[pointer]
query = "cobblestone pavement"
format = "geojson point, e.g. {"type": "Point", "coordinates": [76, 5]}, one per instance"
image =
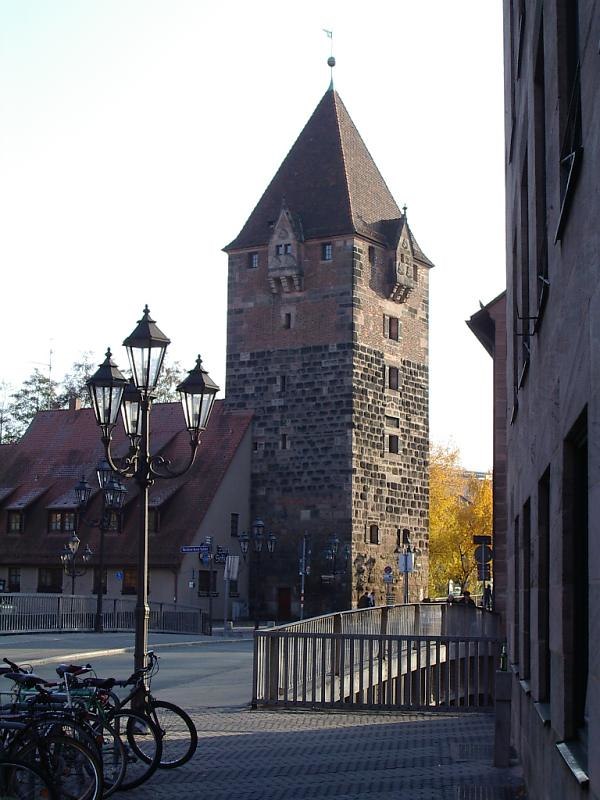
{"type": "Point", "coordinates": [297, 755]}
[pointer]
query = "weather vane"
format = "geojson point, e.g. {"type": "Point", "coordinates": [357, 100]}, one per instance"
{"type": "Point", "coordinates": [331, 59]}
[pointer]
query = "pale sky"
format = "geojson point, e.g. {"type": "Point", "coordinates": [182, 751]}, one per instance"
{"type": "Point", "coordinates": [136, 136]}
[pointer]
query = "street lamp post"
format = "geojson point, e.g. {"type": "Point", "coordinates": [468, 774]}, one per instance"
{"type": "Point", "coordinates": [257, 538]}
{"type": "Point", "coordinates": [110, 393]}
{"type": "Point", "coordinates": [68, 558]}
{"type": "Point", "coordinates": [407, 560]}
{"type": "Point", "coordinates": [304, 568]}
{"type": "Point", "coordinates": [113, 497]}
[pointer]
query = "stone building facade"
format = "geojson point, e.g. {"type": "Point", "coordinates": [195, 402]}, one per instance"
{"type": "Point", "coordinates": [552, 96]}
{"type": "Point", "coordinates": [489, 326]}
{"type": "Point", "coordinates": [328, 346]}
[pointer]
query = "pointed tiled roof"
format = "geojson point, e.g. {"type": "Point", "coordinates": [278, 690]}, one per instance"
{"type": "Point", "coordinates": [328, 180]}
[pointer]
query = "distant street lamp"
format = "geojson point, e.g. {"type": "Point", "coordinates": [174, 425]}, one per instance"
{"type": "Point", "coordinates": [257, 538]}
{"type": "Point", "coordinates": [68, 558]}
{"type": "Point", "coordinates": [110, 393]}
{"type": "Point", "coordinates": [113, 497]}
{"type": "Point", "coordinates": [407, 560]}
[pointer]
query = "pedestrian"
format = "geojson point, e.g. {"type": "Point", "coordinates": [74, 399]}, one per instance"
{"type": "Point", "coordinates": [487, 598]}
{"type": "Point", "coordinates": [466, 599]}
{"type": "Point", "coordinates": [372, 599]}
{"type": "Point", "coordinates": [363, 601]}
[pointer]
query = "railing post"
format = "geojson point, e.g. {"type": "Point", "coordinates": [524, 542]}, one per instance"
{"type": "Point", "coordinates": [273, 678]}
{"type": "Point", "coordinates": [337, 643]}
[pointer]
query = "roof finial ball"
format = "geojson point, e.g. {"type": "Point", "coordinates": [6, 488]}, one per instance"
{"type": "Point", "coordinates": [331, 62]}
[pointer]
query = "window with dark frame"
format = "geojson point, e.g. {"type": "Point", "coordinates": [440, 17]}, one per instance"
{"type": "Point", "coordinates": [392, 422]}
{"type": "Point", "coordinates": [517, 593]}
{"type": "Point", "coordinates": [539, 163]}
{"type": "Point", "coordinates": [14, 579]}
{"type": "Point", "coordinates": [571, 149]}
{"type": "Point", "coordinates": [115, 521]}
{"type": "Point", "coordinates": [50, 580]}
{"type": "Point", "coordinates": [525, 594]}
{"type": "Point", "coordinates": [543, 606]}
{"type": "Point", "coordinates": [287, 249]}
{"type": "Point", "coordinates": [576, 586]}
{"type": "Point", "coordinates": [326, 251]}
{"type": "Point", "coordinates": [61, 521]}
{"type": "Point", "coordinates": [371, 255]}
{"type": "Point", "coordinates": [234, 590]}
{"type": "Point", "coordinates": [234, 523]}
{"type": "Point", "coordinates": [282, 383]}
{"type": "Point", "coordinates": [15, 522]}
{"type": "Point", "coordinates": [129, 583]}
{"type": "Point", "coordinates": [393, 443]}
{"type": "Point", "coordinates": [393, 378]}
{"type": "Point", "coordinates": [252, 260]}
{"type": "Point", "coordinates": [207, 582]}
{"type": "Point", "coordinates": [284, 442]}
{"type": "Point", "coordinates": [394, 328]}
{"type": "Point", "coordinates": [373, 534]}
{"type": "Point", "coordinates": [287, 320]}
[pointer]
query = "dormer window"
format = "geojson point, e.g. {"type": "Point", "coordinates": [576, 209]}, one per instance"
{"type": "Point", "coordinates": [326, 251]}
{"type": "Point", "coordinates": [287, 249]}
{"type": "Point", "coordinates": [61, 521]}
{"type": "Point", "coordinates": [15, 522]}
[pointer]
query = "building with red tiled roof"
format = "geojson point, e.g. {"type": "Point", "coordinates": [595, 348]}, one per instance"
{"type": "Point", "coordinates": [38, 510]}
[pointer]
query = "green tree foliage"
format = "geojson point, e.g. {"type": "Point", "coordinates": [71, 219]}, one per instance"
{"type": "Point", "coordinates": [73, 383]}
{"type": "Point", "coordinates": [460, 507]}
{"type": "Point", "coordinates": [38, 393]}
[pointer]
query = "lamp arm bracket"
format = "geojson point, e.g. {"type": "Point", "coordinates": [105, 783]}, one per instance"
{"type": "Point", "coordinates": [160, 467]}
{"type": "Point", "coordinates": [128, 462]}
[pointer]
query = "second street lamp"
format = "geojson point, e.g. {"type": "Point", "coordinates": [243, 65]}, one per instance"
{"type": "Point", "coordinates": [110, 391]}
{"type": "Point", "coordinates": [257, 538]}
{"type": "Point", "coordinates": [68, 558]}
{"type": "Point", "coordinates": [113, 497]}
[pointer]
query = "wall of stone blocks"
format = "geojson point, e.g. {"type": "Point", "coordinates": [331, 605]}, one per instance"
{"type": "Point", "coordinates": [317, 389]}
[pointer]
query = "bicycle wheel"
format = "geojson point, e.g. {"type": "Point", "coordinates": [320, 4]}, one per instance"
{"type": "Point", "coordinates": [113, 756]}
{"type": "Point", "coordinates": [143, 747]}
{"type": "Point", "coordinates": [23, 781]}
{"type": "Point", "coordinates": [178, 733]}
{"type": "Point", "coordinates": [75, 771]}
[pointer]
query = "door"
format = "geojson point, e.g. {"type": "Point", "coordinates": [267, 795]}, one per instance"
{"type": "Point", "coordinates": [284, 603]}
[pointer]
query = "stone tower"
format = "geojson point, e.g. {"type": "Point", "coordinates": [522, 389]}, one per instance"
{"type": "Point", "coordinates": [327, 343]}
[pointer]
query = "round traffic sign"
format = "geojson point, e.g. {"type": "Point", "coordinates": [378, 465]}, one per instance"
{"type": "Point", "coordinates": [387, 569]}
{"type": "Point", "coordinates": [483, 554]}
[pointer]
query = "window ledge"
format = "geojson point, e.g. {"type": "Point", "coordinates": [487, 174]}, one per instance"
{"type": "Point", "coordinates": [526, 686]}
{"type": "Point", "coordinates": [514, 668]}
{"type": "Point", "coordinates": [568, 751]}
{"type": "Point", "coordinates": [543, 710]}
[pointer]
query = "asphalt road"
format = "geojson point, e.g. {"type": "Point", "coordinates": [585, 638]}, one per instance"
{"type": "Point", "coordinates": [215, 675]}
{"type": "Point", "coordinates": [196, 674]}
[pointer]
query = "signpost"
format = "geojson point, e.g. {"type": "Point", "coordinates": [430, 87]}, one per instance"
{"type": "Point", "coordinates": [232, 567]}
{"type": "Point", "coordinates": [483, 557]}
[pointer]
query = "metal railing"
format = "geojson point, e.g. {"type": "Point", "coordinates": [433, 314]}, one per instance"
{"type": "Point", "coordinates": [427, 656]}
{"type": "Point", "coordinates": [35, 613]}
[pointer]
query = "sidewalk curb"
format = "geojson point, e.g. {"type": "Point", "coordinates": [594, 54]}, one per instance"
{"type": "Point", "coordinates": [117, 651]}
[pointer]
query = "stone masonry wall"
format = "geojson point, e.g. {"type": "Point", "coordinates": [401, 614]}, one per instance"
{"type": "Point", "coordinates": [317, 389]}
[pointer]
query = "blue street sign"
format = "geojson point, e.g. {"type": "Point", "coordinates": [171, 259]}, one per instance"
{"type": "Point", "coordinates": [119, 575]}
{"type": "Point", "coordinates": [192, 548]}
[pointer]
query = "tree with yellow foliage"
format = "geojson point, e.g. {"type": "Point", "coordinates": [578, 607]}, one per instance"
{"type": "Point", "coordinates": [460, 507]}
